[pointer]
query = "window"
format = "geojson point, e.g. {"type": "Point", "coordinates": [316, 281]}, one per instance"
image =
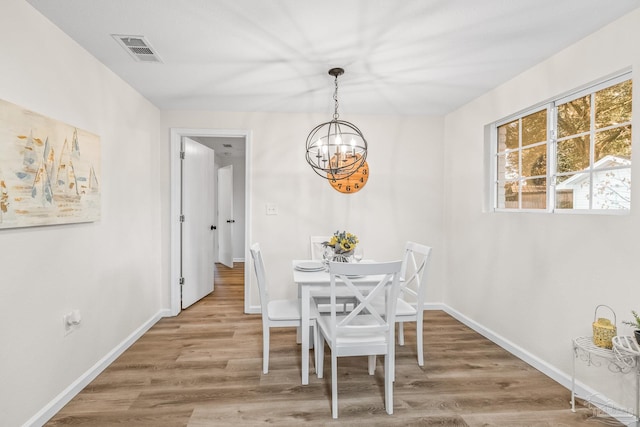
{"type": "Point", "coordinates": [522, 162]}
{"type": "Point", "coordinates": [572, 154]}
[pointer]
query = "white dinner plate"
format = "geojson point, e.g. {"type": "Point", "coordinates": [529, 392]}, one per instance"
{"type": "Point", "coordinates": [355, 276]}
{"type": "Point", "coordinates": [309, 270]}
{"type": "Point", "coordinates": [310, 266]}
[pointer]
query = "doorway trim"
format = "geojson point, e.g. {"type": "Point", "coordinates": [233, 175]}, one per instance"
{"type": "Point", "coordinates": [175, 140]}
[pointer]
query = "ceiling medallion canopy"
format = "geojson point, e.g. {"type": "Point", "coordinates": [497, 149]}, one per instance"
{"type": "Point", "coordinates": [336, 149]}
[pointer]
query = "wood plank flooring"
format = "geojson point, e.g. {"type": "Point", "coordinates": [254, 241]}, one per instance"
{"type": "Point", "coordinates": [204, 368]}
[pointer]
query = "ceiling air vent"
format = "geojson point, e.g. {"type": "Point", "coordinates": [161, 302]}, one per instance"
{"type": "Point", "coordinates": [138, 47]}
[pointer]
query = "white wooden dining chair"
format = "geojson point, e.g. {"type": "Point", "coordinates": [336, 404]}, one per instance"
{"type": "Point", "coordinates": [275, 314]}
{"type": "Point", "coordinates": [316, 247]}
{"type": "Point", "coordinates": [413, 291]}
{"type": "Point", "coordinates": [364, 331]}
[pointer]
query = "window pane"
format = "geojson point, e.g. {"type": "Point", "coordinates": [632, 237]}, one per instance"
{"type": "Point", "coordinates": [508, 165]}
{"type": "Point", "coordinates": [508, 136]}
{"type": "Point", "coordinates": [534, 194]}
{"type": "Point", "coordinates": [572, 192]}
{"type": "Point", "coordinates": [574, 117]}
{"type": "Point", "coordinates": [534, 128]}
{"type": "Point", "coordinates": [508, 195]}
{"type": "Point", "coordinates": [573, 154]}
{"type": "Point", "coordinates": [564, 199]}
{"type": "Point", "coordinates": [613, 105]}
{"type": "Point", "coordinates": [534, 161]}
{"type": "Point", "coordinates": [612, 189]}
{"type": "Point", "coordinates": [615, 142]}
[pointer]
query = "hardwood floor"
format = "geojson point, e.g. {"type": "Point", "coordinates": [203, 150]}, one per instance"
{"type": "Point", "coordinates": [203, 368]}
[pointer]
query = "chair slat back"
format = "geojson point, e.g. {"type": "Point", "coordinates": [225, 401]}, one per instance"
{"type": "Point", "coordinates": [261, 276]}
{"type": "Point", "coordinates": [316, 247]}
{"type": "Point", "coordinates": [415, 260]}
{"type": "Point", "coordinates": [386, 286]}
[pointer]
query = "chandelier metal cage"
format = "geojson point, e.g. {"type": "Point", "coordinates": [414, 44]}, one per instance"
{"type": "Point", "coordinates": [336, 149]}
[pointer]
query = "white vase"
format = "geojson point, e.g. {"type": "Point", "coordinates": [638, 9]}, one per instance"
{"type": "Point", "coordinates": [345, 257]}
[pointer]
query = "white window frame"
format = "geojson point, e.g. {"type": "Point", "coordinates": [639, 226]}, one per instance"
{"type": "Point", "coordinates": [520, 178]}
{"type": "Point", "coordinates": [551, 142]}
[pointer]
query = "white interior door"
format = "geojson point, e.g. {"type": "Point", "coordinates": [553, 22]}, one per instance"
{"type": "Point", "coordinates": [225, 215]}
{"type": "Point", "coordinates": [198, 209]}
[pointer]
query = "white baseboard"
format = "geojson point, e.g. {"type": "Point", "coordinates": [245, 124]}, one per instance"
{"type": "Point", "coordinates": [581, 390]}
{"type": "Point", "coordinates": [52, 408]}
{"type": "Point", "coordinates": [549, 370]}
{"type": "Point", "coordinates": [254, 309]}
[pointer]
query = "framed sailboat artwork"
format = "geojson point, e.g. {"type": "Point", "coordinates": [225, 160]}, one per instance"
{"type": "Point", "coordinates": [49, 170]}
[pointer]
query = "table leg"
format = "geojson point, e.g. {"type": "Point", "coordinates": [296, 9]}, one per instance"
{"type": "Point", "coordinates": [305, 324]}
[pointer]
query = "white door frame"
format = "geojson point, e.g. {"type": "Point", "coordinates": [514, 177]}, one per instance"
{"type": "Point", "coordinates": [176, 136]}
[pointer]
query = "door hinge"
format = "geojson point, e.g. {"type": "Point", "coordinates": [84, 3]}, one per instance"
{"type": "Point", "coordinates": [181, 218]}
{"type": "Point", "coordinates": [181, 281]}
{"type": "Point", "coordinates": [182, 155]}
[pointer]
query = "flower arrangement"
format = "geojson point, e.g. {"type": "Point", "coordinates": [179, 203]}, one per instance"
{"type": "Point", "coordinates": [342, 243]}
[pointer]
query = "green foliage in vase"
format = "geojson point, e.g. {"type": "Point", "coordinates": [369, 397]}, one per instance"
{"type": "Point", "coordinates": [636, 322]}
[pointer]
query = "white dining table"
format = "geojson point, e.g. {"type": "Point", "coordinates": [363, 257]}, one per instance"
{"type": "Point", "coordinates": [317, 283]}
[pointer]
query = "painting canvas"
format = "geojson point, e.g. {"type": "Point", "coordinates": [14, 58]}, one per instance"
{"type": "Point", "coordinates": [49, 170]}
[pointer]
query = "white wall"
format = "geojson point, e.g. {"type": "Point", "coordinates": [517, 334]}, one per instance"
{"type": "Point", "coordinates": [401, 201]}
{"type": "Point", "coordinates": [535, 279]}
{"type": "Point", "coordinates": [109, 270]}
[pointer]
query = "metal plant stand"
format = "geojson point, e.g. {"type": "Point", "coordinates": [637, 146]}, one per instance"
{"type": "Point", "coordinates": [627, 351]}
{"type": "Point", "coordinates": [622, 358]}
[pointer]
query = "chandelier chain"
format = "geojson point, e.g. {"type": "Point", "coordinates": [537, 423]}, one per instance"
{"type": "Point", "coordinates": [335, 99]}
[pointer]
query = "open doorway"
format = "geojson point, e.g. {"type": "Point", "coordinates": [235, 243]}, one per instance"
{"type": "Point", "coordinates": [229, 159]}
{"type": "Point", "coordinates": [231, 147]}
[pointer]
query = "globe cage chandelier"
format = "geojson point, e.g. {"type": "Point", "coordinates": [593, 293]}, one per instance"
{"type": "Point", "coordinates": [336, 149]}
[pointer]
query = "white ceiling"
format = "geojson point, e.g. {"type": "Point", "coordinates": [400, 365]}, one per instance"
{"type": "Point", "coordinates": [225, 148]}
{"type": "Point", "coordinates": [400, 56]}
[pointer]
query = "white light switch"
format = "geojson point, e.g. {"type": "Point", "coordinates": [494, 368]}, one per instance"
{"type": "Point", "coordinates": [272, 209]}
